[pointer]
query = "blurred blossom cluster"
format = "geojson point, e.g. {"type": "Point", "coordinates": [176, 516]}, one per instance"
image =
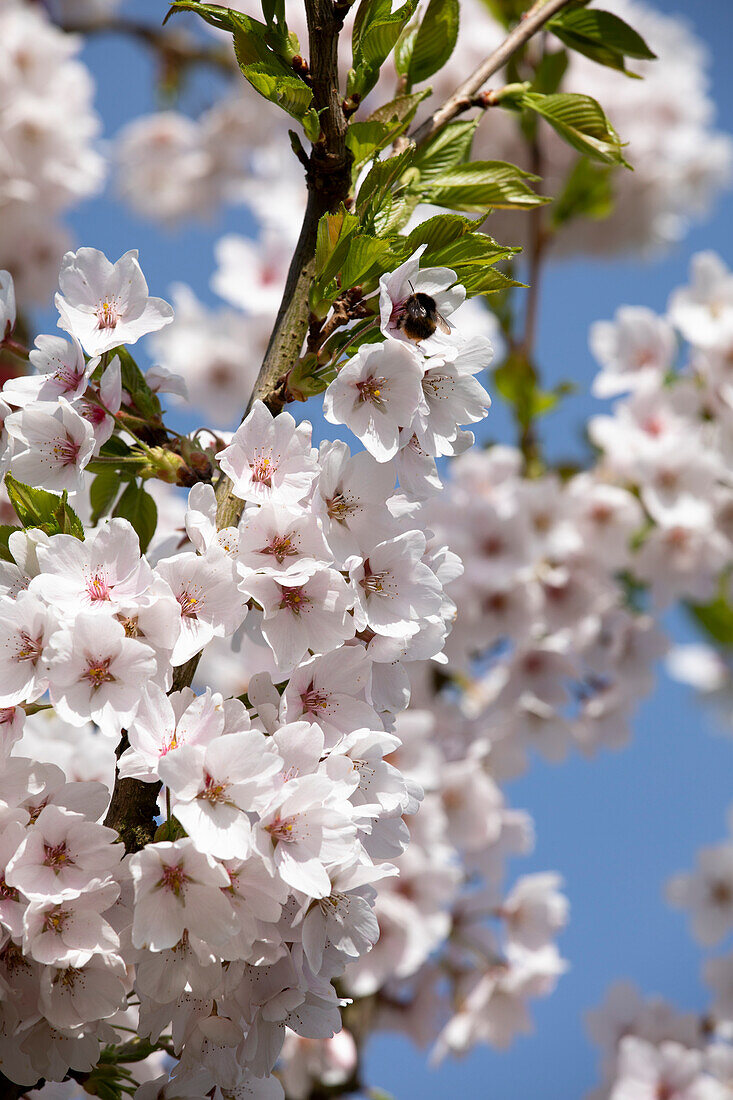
{"type": "Point", "coordinates": [48, 132]}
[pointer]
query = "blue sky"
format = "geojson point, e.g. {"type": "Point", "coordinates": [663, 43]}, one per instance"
{"type": "Point", "coordinates": [617, 826]}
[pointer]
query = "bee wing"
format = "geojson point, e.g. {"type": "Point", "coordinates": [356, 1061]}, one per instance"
{"type": "Point", "coordinates": [444, 325]}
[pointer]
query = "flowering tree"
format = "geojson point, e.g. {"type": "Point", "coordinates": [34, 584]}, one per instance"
{"type": "Point", "coordinates": [284, 708]}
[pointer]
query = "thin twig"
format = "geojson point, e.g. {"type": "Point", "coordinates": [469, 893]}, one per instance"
{"type": "Point", "coordinates": [172, 46]}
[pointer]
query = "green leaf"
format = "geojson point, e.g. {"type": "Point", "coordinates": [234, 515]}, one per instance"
{"type": "Point", "coordinates": [133, 381]}
{"type": "Point", "coordinates": [403, 49]}
{"type": "Point", "coordinates": [364, 254]}
{"type": "Point", "coordinates": [6, 530]}
{"type": "Point", "coordinates": [581, 121]}
{"type": "Point", "coordinates": [516, 381]}
{"type": "Point", "coordinates": [103, 493]}
{"type": "Point", "coordinates": [137, 506]}
{"type": "Point", "coordinates": [365, 139]}
{"type": "Point", "coordinates": [507, 12]}
{"type": "Point", "coordinates": [550, 71]}
{"type": "Point", "coordinates": [259, 52]}
{"type": "Point", "coordinates": [438, 231]}
{"type": "Point", "coordinates": [587, 193]}
{"type": "Point", "coordinates": [456, 242]}
{"type": "Point", "coordinates": [479, 185]}
{"type": "Point", "coordinates": [381, 177]}
{"type": "Point", "coordinates": [39, 508]}
{"type": "Point", "coordinates": [376, 33]}
{"type": "Point", "coordinates": [600, 35]}
{"type": "Point", "coordinates": [716, 619]}
{"type": "Point", "coordinates": [283, 88]}
{"type": "Point", "coordinates": [451, 146]}
{"type": "Point", "coordinates": [435, 41]}
{"type": "Point", "coordinates": [333, 230]}
{"type": "Point", "coordinates": [401, 109]}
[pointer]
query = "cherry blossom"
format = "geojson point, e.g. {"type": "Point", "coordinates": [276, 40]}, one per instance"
{"type": "Point", "coordinates": [376, 394]}
{"type": "Point", "coordinates": [103, 304]}
{"type": "Point", "coordinates": [269, 458]}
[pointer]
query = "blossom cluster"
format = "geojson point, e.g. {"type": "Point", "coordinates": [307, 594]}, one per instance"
{"type": "Point", "coordinates": [282, 853]}
{"type": "Point", "coordinates": [650, 1049]}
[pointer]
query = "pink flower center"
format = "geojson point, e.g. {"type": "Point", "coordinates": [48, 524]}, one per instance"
{"type": "Point", "coordinates": [372, 390]}
{"type": "Point", "coordinates": [7, 893]}
{"type": "Point", "coordinates": [98, 672]}
{"type": "Point", "coordinates": [65, 450]}
{"type": "Point", "coordinates": [95, 414]}
{"type": "Point", "coordinates": [173, 878]}
{"type": "Point", "coordinates": [67, 377]}
{"type": "Point", "coordinates": [107, 315]}
{"type": "Point", "coordinates": [314, 700]}
{"type": "Point", "coordinates": [55, 920]}
{"type": "Point", "coordinates": [262, 470]}
{"type": "Point", "coordinates": [283, 829]}
{"type": "Point", "coordinates": [28, 649]}
{"type": "Point", "coordinates": [97, 588]}
{"type": "Point", "coordinates": [7, 714]}
{"type": "Point", "coordinates": [373, 582]}
{"type": "Point", "coordinates": [294, 599]}
{"type": "Point", "coordinates": [57, 856]}
{"type": "Point", "coordinates": [169, 746]}
{"type": "Point", "coordinates": [339, 508]}
{"type": "Point", "coordinates": [213, 792]}
{"type": "Point", "coordinates": [189, 605]}
{"type": "Point", "coordinates": [281, 547]}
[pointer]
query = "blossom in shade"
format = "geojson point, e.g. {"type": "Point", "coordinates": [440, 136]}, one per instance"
{"type": "Point", "coordinates": [394, 588]}
{"type": "Point", "coordinates": [26, 624]}
{"type": "Point", "coordinates": [302, 614]}
{"type": "Point", "coordinates": [61, 372]}
{"type": "Point", "coordinates": [177, 889]}
{"type": "Point", "coordinates": [205, 588]}
{"type": "Point", "coordinates": [103, 573]}
{"type": "Point", "coordinates": [214, 786]}
{"type": "Point", "coordinates": [95, 671]}
{"type": "Point", "coordinates": [60, 856]}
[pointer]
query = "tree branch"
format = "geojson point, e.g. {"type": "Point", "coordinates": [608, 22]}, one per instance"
{"type": "Point", "coordinates": [329, 182]}
{"type": "Point", "coordinates": [174, 48]}
{"type": "Point", "coordinates": [531, 22]}
{"type": "Point", "coordinates": [134, 804]}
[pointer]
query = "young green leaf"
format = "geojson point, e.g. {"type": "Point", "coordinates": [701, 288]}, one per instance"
{"type": "Point", "coordinates": [716, 619]}
{"type": "Point", "coordinates": [103, 493]}
{"type": "Point", "coordinates": [550, 71]}
{"type": "Point", "coordinates": [435, 40]}
{"type": "Point", "coordinates": [377, 30]}
{"type": "Point", "coordinates": [581, 121]}
{"type": "Point", "coordinates": [481, 185]}
{"type": "Point", "coordinates": [6, 530]}
{"type": "Point", "coordinates": [39, 508]}
{"type": "Point", "coordinates": [137, 506]}
{"type": "Point", "coordinates": [600, 35]}
{"type": "Point", "coordinates": [587, 193]}
{"type": "Point", "coordinates": [450, 146]}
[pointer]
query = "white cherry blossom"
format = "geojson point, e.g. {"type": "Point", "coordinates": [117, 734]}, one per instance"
{"type": "Point", "coordinates": [103, 304]}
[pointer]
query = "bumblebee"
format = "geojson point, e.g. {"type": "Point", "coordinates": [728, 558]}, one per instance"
{"type": "Point", "coordinates": [418, 317]}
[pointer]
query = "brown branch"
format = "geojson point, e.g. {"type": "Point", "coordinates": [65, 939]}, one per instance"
{"type": "Point", "coordinates": [134, 804]}
{"type": "Point", "coordinates": [329, 182]}
{"type": "Point", "coordinates": [531, 22]}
